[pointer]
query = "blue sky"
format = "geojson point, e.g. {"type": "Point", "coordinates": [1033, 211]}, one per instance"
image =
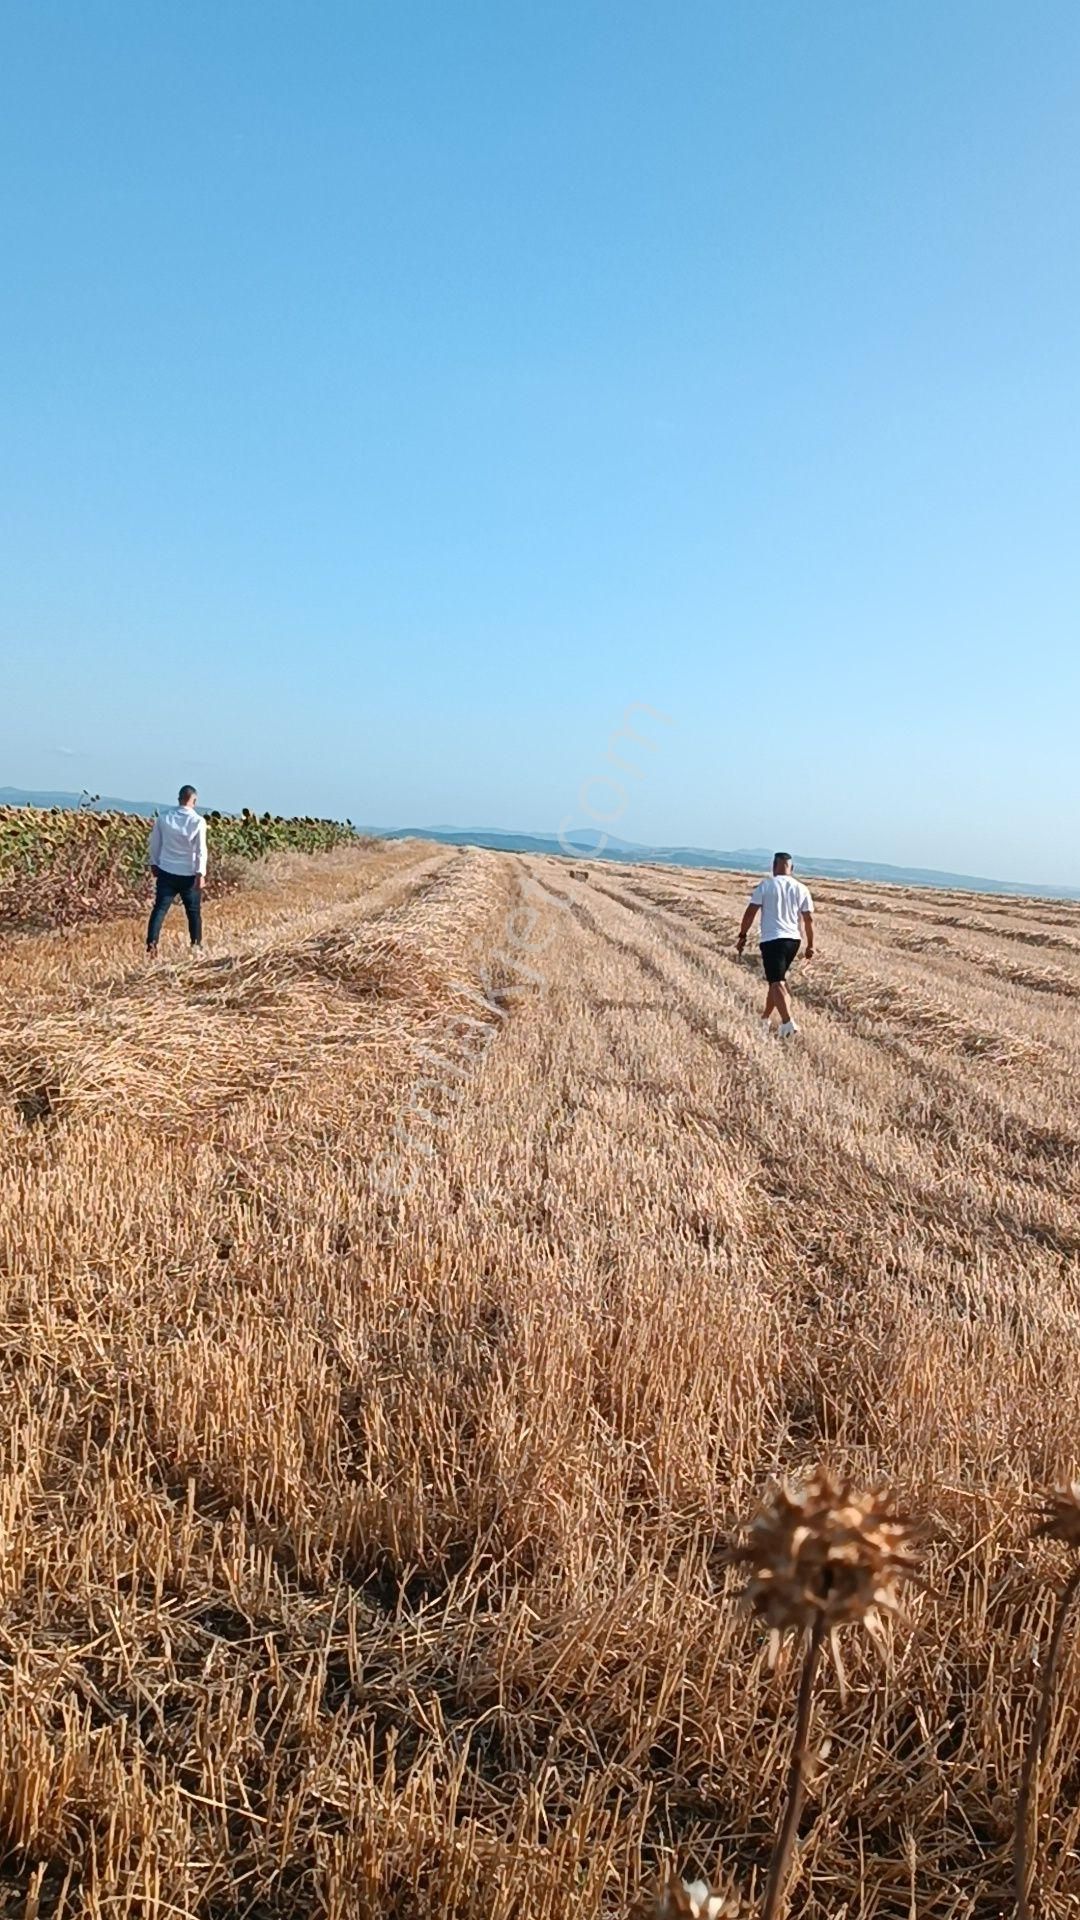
{"type": "Point", "coordinates": [393, 393]}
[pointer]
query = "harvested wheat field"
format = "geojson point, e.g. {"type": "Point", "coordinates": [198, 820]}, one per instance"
{"type": "Point", "coordinates": [405, 1308]}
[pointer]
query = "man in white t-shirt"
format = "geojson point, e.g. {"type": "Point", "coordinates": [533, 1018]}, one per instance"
{"type": "Point", "coordinates": [782, 902]}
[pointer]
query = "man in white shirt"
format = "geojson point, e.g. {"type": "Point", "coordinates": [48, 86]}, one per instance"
{"type": "Point", "coordinates": [178, 864]}
{"type": "Point", "coordinates": [782, 902]}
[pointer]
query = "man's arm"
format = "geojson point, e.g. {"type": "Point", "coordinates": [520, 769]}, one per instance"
{"type": "Point", "coordinates": [155, 843]}
{"type": "Point", "coordinates": [200, 864]}
{"type": "Point", "coordinates": [808, 924]}
{"type": "Point", "coordinates": [747, 922]}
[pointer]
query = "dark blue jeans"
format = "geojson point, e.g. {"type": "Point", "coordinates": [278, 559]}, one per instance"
{"type": "Point", "coordinates": [168, 886]}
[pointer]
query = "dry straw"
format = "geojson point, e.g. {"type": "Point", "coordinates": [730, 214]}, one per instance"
{"type": "Point", "coordinates": [357, 1552]}
{"type": "Point", "coordinates": [1058, 1520]}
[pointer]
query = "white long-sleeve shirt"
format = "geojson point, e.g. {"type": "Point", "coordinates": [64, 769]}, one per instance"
{"type": "Point", "coordinates": [178, 841]}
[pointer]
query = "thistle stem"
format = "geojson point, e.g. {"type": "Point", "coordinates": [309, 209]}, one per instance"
{"type": "Point", "coordinates": [796, 1781]}
{"type": "Point", "coordinates": [1022, 1839]}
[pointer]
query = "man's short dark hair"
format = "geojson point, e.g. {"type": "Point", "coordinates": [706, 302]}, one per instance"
{"type": "Point", "coordinates": [186, 794]}
{"type": "Point", "coordinates": [785, 857]}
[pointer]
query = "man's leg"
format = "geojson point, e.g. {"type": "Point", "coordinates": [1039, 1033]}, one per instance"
{"type": "Point", "coordinates": [768, 964]}
{"type": "Point", "coordinates": [163, 899]}
{"type": "Point", "coordinates": [191, 896]}
{"type": "Point", "coordinates": [783, 999]}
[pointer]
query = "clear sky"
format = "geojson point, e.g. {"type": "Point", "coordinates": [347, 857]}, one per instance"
{"type": "Point", "coordinates": [395, 390]}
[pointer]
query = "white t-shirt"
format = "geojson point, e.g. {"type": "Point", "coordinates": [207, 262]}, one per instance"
{"type": "Point", "coordinates": [781, 898]}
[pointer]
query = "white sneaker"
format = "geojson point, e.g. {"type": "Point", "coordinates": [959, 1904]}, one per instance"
{"type": "Point", "coordinates": [766, 1028]}
{"type": "Point", "coordinates": [787, 1028]}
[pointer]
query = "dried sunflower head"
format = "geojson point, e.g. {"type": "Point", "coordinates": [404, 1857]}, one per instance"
{"type": "Point", "coordinates": [826, 1553]}
{"type": "Point", "coordinates": [1060, 1515]}
{"type": "Point", "coordinates": [677, 1899]}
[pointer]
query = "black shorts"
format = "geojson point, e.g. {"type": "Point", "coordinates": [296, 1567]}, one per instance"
{"type": "Point", "coordinates": [776, 958]}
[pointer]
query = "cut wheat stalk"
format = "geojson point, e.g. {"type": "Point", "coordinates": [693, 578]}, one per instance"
{"type": "Point", "coordinates": [1059, 1521]}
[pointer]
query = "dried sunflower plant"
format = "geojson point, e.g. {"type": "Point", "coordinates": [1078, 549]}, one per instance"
{"type": "Point", "coordinates": [1059, 1519]}
{"type": "Point", "coordinates": [820, 1557]}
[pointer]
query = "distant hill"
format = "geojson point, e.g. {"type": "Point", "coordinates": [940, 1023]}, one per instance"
{"type": "Point", "coordinates": [18, 797]}
{"type": "Point", "coordinates": [586, 842]}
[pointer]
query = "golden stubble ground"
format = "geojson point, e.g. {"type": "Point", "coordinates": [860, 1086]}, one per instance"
{"type": "Point", "coordinates": [403, 1307]}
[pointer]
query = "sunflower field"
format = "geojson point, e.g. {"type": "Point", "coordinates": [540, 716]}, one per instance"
{"type": "Point", "coordinates": [61, 865]}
